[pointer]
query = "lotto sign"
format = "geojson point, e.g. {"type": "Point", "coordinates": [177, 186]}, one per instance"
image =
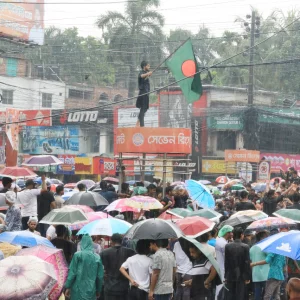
{"type": "Point", "coordinates": [264, 170]}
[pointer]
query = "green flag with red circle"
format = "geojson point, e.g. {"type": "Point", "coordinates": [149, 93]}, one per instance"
{"type": "Point", "coordinates": [183, 65]}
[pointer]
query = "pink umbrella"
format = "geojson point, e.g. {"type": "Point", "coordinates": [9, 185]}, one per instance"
{"type": "Point", "coordinates": [169, 217]}
{"type": "Point", "coordinates": [84, 208]}
{"type": "Point", "coordinates": [111, 179]}
{"type": "Point", "coordinates": [92, 216]}
{"type": "Point", "coordinates": [222, 179]}
{"type": "Point", "coordinates": [56, 258]}
{"type": "Point", "coordinates": [70, 185]}
{"type": "Point", "coordinates": [17, 172]}
{"type": "Point", "coordinates": [87, 182]}
{"type": "Point", "coordinates": [121, 206]}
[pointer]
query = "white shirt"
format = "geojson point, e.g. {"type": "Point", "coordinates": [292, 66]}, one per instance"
{"type": "Point", "coordinates": [184, 265]}
{"type": "Point", "coordinates": [202, 268]}
{"type": "Point", "coordinates": [51, 232]}
{"type": "Point", "coordinates": [138, 267]}
{"type": "Point", "coordinates": [28, 198]}
{"type": "Point", "coordinates": [220, 253]}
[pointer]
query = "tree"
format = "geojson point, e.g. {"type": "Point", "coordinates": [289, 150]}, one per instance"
{"type": "Point", "coordinates": [133, 36]}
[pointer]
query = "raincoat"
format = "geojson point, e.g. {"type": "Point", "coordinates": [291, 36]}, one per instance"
{"type": "Point", "coordinates": [85, 276]}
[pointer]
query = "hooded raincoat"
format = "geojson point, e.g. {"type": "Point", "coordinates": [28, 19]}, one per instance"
{"type": "Point", "coordinates": [86, 272]}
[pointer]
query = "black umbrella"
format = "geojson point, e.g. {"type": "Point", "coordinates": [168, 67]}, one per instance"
{"type": "Point", "coordinates": [237, 221]}
{"type": "Point", "coordinates": [153, 229]}
{"type": "Point", "coordinates": [86, 198]}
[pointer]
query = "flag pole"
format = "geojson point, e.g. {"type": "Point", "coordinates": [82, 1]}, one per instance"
{"type": "Point", "coordinates": [170, 55]}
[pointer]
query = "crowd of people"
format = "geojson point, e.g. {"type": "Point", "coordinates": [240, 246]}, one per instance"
{"type": "Point", "coordinates": [161, 269]}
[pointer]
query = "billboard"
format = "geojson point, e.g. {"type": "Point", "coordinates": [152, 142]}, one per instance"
{"type": "Point", "coordinates": [50, 140]}
{"type": "Point", "coordinates": [104, 166]}
{"type": "Point", "coordinates": [35, 117]}
{"type": "Point", "coordinates": [242, 156]}
{"type": "Point", "coordinates": [127, 116]}
{"type": "Point", "coordinates": [153, 140]}
{"type": "Point", "coordinates": [12, 127]}
{"type": "Point", "coordinates": [68, 166]}
{"type": "Point", "coordinates": [281, 161]}
{"type": "Point", "coordinates": [214, 166]}
{"type": "Point", "coordinates": [84, 165]}
{"type": "Point", "coordinates": [23, 20]}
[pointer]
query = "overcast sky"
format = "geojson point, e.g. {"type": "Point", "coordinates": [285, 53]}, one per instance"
{"type": "Point", "coordinates": [189, 14]}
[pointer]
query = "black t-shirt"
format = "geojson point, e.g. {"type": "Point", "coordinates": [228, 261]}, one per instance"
{"type": "Point", "coordinates": [68, 248]}
{"type": "Point", "coordinates": [245, 206]}
{"type": "Point", "coordinates": [44, 201]}
{"type": "Point", "coordinates": [144, 83]}
{"type": "Point", "coordinates": [4, 190]}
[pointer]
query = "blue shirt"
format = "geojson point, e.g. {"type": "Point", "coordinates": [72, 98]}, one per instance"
{"type": "Point", "coordinates": [277, 263]}
{"type": "Point", "coordinates": [212, 242]}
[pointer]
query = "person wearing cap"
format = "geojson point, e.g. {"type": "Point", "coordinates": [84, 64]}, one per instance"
{"type": "Point", "coordinates": [13, 219]}
{"type": "Point", "coordinates": [45, 203]}
{"type": "Point", "coordinates": [6, 182]}
{"type": "Point", "coordinates": [32, 224]}
{"type": "Point", "coordinates": [28, 198]}
{"type": "Point", "coordinates": [225, 234]}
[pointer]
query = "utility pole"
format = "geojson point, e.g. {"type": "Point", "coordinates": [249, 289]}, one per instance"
{"type": "Point", "coordinates": [251, 56]}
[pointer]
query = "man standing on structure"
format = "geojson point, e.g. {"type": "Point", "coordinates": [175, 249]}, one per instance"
{"type": "Point", "coordinates": [142, 101]}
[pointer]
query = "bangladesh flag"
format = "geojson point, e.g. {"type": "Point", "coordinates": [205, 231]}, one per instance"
{"type": "Point", "coordinates": [182, 63]}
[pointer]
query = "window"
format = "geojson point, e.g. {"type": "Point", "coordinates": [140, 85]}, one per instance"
{"type": "Point", "coordinates": [11, 67]}
{"type": "Point", "coordinates": [226, 140]}
{"type": "Point", "coordinates": [47, 100]}
{"type": "Point", "coordinates": [7, 97]}
{"type": "Point", "coordinates": [79, 94]}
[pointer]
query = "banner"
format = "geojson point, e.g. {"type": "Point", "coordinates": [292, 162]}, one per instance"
{"type": "Point", "coordinates": [12, 127]}
{"type": "Point", "coordinates": [127, 116]}
{"type": "Point", "coordinates": [23, 20]}
{"type": "Point", "coordinates": [104, 166]}
{"type": "Point", "coordinates": [68, 166]}
{"type": "Point", "coordinates": [264, 170]}
{"type": "Point", "coordinates": [83, 165]}
{"type": "Point", "coordinates": [50, 140]}
{"type": "Point", "coordinates": [35, 117]}
{"type": "Point", "coordinates": [225, 122]}
{"type": "Point", "coordinates": [242, 156]}
{"type": "Point", "coordinates": [196, 145]}
{"type": "Point", "coordinates": [280, 116]}
{"type": "Point", "coordinates": [281, 161]}
{"type": "Point", "coordinates": [212, 166]}
{"type": "Point", "coordinates": [153, 140]}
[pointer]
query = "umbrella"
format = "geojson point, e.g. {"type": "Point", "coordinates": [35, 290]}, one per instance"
{"type": "Point", "coordinates": [237, 187]}
{"type": "Point", "coordinates": [154, 229]}
{"type": "Point", "coordinates": [200, 193]}
{"type": "Point", "coordinates": [222, 179]}
{"type": "Point", "coordinates": [143, 202]}
{"type": "Point", "coordinates": [283, 243]}
{"type": "Point", "coordinates": [237, 221]}
{"type": "Point", "coordinates": [261, 187]}
{"type": "Point", "coordinates": [92, 216]}
{"type": "Point", "coordinates": [42, 161]}
{"type": "Point", "coordinates": [17, 172]}
{"type": "Point", "coordinates": [111, 179]}
{"type": "Point", "coordinates": [66, 196]}
{"type": "Point", "coordinates": [206, 213]}
{"type": "Point", "coordinates": [121, 206]}
{"type": "Point", "coordinates": [24, 238]}
{"type": "Point", "coordinates": [106, 227]}
{"type": "Point", "coordinates": [84, 208]}
{"type": "Point", "coordinates": [169, 217]}
{"type": "Point", "coordinates": [230, 183]}
{"type": "Point", "coordinates": [204, 182]}
{"type": "Point", "coordinates": [186, 241]}
{"type": "Point", "coordinates": [255, 214]}
{"type": "Point", "coordinates": [54, 257]}
{"type": "Point", "coordinates": [177, 183]}
{"type": "Point", "coordinates": [87, 198]}
{"type": "Point", "coordinates": [293, 214]}
{"type": "Point", "coordinates": [195, 226]}
{"type": "Point", "coordinates": [64, 216]}
{"type": "Point", "coordinates": [87, 182]}
{"type": "Point", "coordinates": [8, 249]}
{"type": "Point", "coordinates": [30, 278]}
{"type": "Point", "coordinates": [269, 223]}
{"type": "Point", "coordinates": [179, 212]}
{"type": "Point", "coordinates": [70, 185]}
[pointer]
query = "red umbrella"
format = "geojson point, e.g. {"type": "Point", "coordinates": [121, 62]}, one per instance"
{"type": "Point", "coordinates": [111, 179]}
{"type": "Point", "coordinates": [195, 226]}
{"type": "Point", "coordinates": [17, 172]}
{"type": "Point", "coordinates": [222, 179]}
{"type": "Point", "coordinates": [169, 217]}
{"type": "Point", "coordinates": [70, 185]}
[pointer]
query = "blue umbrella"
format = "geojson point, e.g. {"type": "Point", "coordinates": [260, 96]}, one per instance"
{"type": "Point", "coordinates": [200, 193]}
{"type": "Point", "coordinates": [260, 187]}
{"type": "Point", "coordinates": [105, 227]}
{"type": "Point", "coordinates": [24, 238]}
{"type": "Point", "coordinates": [283, 243]}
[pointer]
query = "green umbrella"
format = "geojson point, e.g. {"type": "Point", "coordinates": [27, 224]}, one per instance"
{"type": "Point", "coordinates": [293, 214]}
{"type": "Point", "coordinates": [179, 212]}
{"type": "Point", "coordinates": [64, 216]}
{"type": "Point", "coordinates": [237, 187]}
{"type": "Point", "coordinates": [186, 241]}
{"type": "Point", "coordinates": [206, 213]}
